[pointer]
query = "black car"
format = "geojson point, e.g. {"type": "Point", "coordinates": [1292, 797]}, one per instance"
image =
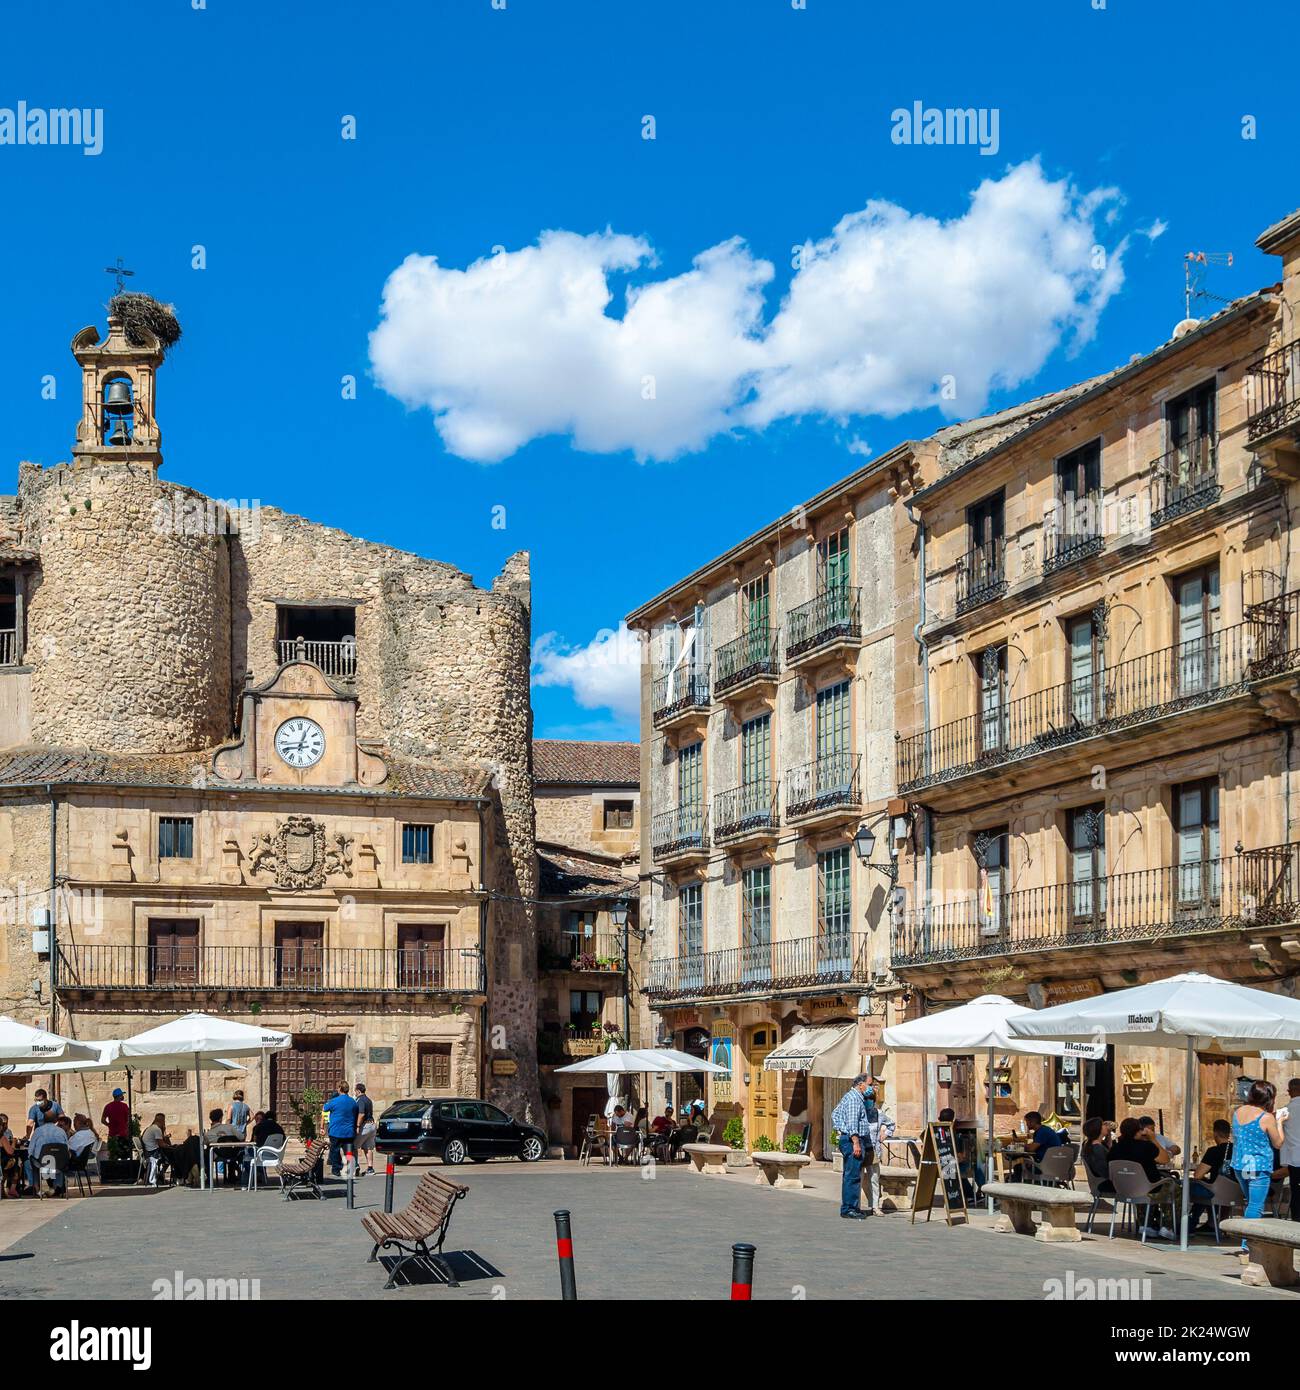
{"type": "Point", "coordinates": [455, 1130]}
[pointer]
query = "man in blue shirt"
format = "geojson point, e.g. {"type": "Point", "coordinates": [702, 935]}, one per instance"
{"type": "Point", "coordinates": [853, 1118]}
{"type": "Point", "coordinates": [46, 1135]}
{"type": "Point", "coordinates": [342, 1111]}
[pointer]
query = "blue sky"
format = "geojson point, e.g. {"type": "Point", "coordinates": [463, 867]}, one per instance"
{"type": "Point", "coordinates": [479, 128]}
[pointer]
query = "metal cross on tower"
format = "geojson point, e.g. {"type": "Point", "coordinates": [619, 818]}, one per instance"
{"type": "Point", "coordinates": [121, 272]}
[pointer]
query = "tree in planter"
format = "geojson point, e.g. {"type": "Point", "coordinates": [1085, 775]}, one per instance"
{"type": "Point", "coordinates": [306, 1108]}
{"type": "Point", "coordinates": [734, 1134]}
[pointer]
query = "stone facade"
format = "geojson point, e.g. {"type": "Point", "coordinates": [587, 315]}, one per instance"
{"type": "Point", "coordinates": [160, 639]}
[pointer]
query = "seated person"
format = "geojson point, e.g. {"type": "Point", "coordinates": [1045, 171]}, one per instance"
{"type": "Point", "coordinates": [1096, 1153]}
{"type": "Point", "coordinates": [8, 1158]}
{"type": "Point", "coordinates": [1133, 1147]}
{"type": "Point", "coordinates": [47, 1135]}
{"type": "Point", "coordinates": [219, 1132]}
{"type": "Point", "coordinates": [663, 1124]}
{"type": "Point", "coordinates": [1147, 1128]}
{"type": "Point", "coordinates": [264, 1127]}
{"type": "Point", "coordinates": [1041, 1136]}
{"type": "Point", "coordinates": [83, 1136]}
{"type": "Point", "coordinates": [620, 1119]}
{"type": "Point", "coordinates": [1206, 1173]}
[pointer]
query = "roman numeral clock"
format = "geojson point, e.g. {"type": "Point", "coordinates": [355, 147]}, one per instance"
{"type": "Point", "coordinates": [300, 742]}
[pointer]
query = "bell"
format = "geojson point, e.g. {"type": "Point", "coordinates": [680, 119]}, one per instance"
{"type": "Point", "coordinates": [120, 437]}
{"type": "Point", "coordinates": [117, 400]}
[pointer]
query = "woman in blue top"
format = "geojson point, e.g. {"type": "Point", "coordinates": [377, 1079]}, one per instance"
{"type": "Point", "coordinates": [1255, 1135]}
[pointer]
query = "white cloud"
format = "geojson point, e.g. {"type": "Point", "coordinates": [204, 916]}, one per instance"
{"type": "Point", "coordinates": [525, 344]}
{"type": "Point", "coordinates": [1157, 229]}
{"type": "Point", "coordinates": [605, 674]}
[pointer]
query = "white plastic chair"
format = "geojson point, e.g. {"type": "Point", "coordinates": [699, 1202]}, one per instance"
{"type": "Point", "coordinates": [267, 1157]}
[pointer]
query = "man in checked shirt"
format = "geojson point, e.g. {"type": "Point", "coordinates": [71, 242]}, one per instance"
{"type": "Point", "coordinates": [852, 1121]}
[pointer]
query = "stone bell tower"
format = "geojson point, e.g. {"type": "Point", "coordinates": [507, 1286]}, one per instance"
{"type": "Point", "coordinates": [118, 377]}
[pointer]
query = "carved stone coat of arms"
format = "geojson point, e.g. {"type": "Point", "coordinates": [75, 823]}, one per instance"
{"type": "Point", "coordinates": [297, 854]}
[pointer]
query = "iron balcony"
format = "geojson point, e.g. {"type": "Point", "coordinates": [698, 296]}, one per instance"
{"type": "Point", "coordinates": [831, 783]}
{"type": "Point", "coordinates": [827, 961]}
{"type": "Point", "coordinates": [1273, 393]}
{"type": "Point", "coordinates": [598, 953]}
{"type": "Point", "coordinates": [1258, 887]}
{"type": "Point", "coordinates": [745, 812]}
{"type": "Point", "coordinates": [681, 832]}
{"type": "Point", "coordinates": [1062, 548]}
{"type": "Point", "coordinates": [678, 694]}
{"type": "Point", "coordinates": [1186, 479]}
{"type": "Point", "coordinates": [981, 575]}
{"type": "Point", "coordinates": [833, 618]}
{"type": "Point", "coordinates": [750, 659]}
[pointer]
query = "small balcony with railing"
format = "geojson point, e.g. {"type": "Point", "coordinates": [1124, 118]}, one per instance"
{"type": "Point", "coordinates": [828, 625]}
{"type": "Point", "coordinates": [337, 660]}
{"type": "Point", "coordinates": [1252, 888]}
{"type": "Point", "coordinates": [746, 815]}
{"type": "Point", "coordinates": [981, 575]}
{"type": "Point", "coordinates": [95, 970]}
{"type": "Point", "coordinates": [679, 696]}
{"type": "Point", "coordinates": [828, 961]}
{"type": "Point", "coordinates": [747, 666]}
{"type": "Point", "coordinates": [681, 834]}
{"type": "Point", "coordinates": [1076, 542]}
{"type": "Point", "coordinates": [587, 953]}
{"type": "Point", "coordinates": [825, 790]}
{"type": "Point", "coordinates": [1113, 700]}
{"type": "Point", "coordinates": [1273, 396]}
{"type": "Point", "coordinates": [1185, 479]}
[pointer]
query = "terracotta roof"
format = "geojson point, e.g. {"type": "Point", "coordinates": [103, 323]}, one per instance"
{"type": "Point", "coordinates": [82, 766]}
{"type": "Point", "coordinates": [573, 762]}
{"type": "Point", "coordinates": [565, 872]}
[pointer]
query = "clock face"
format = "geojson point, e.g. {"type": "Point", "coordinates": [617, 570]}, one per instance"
{"type": "Point", "coordinates": [300, 742]}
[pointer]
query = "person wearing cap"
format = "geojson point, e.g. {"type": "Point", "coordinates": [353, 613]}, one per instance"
{"type": "Point", "coordinates": [117, 1117]}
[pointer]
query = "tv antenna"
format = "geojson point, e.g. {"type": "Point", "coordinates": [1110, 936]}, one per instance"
{"type": "Point", "coordinates": [1195, 264]}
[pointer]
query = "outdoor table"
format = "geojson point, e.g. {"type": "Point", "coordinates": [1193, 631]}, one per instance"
{"type": "Point", "coordinates": [212, 1151]}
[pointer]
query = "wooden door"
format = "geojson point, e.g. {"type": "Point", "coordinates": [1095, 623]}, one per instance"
{"type": "Point", "coordinates": [300, 954]}
{"type": "Point", "coordinates": [1217, 1097]}
{"type": "Point", "coordinates": [420, 955]}
{"type": "Point", "coordinates": [764, 1091]}
{"type": "Point", "coordinates": [314, 1061]}
{"type": "Point", "coordinates": [173, 952]}
{"type": "Point", "coordinates": [587, 1101]}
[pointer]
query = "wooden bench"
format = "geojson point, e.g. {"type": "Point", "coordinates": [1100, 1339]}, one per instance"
{"type": "Point", "coordinates": [425, 1218]}
{"type": "Point", "coordinates": [1019, 1200]}
{"type": "Point", "coordinates": [779, 1169]}
{"type": "Point", "coordinates": [897, 1185]}
{"type": "Point", "coordinates": [708, 1159]}
{"type": "Point", "coordinates": [298, 1176]}
{"type": "Point", "coordinates": [1272, 1250]}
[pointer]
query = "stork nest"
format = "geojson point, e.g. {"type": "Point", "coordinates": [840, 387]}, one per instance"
{"type": "Point", "coordinates": [142, 314]}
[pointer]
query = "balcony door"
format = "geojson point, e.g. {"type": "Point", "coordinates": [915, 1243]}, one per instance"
{"type": "Point", "coordinates": [755, 621]}
{"type": "Point", "coordinates": [833, 562]}
{"type": "Point", "coordinates": [756, 924]}
{"type": "Point", "coordinates": [1087, 670]}
{"type": "Point", "coordinates": [1078, 482]}
{"type": "Point", "coordinates": [834, 911]}
{"type": "Point", "coordinates": [1086, 829]}
{"type": "Point", "coordinates": [991, 849]}
{"type": "Point", "coordinates": [833, 770]}
{"type": "Point", "coordinates": [300, 955]}
{"type": "Point", "coordinates": [992, 667]}
{"type": "Point", "coordinates": [421, 955]}
{"type": "Point", "coordinates": [690, 936]}
{"type": "Point", "coordinates": [1191, 423]}
{"type": "Point", "coordinates": [173, 952]}
{"type": "Point", "coordinates": [1196, 664]}
{"type": "Point", "coordinates": [986, 528]}
{"type": "Point", "coordinates": [1197, 870]}
{"type": "Point", "coordinates": [756, 766]}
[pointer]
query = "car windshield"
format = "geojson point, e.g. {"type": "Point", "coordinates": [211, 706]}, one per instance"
{"type": "Point", "coordinates": [404, 1108]}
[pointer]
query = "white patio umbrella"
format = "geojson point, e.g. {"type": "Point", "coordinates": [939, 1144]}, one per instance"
{"type": "Point", "coordinates": [619, 1061]}
{"type": "Point", "coordinates": [983, 1025]}
{"type": "Point", "coordinates": [205, 1039]}
{"type": "Point", "coordinates": [1190, 1012]}
{"type": "Point", "coordinates": [613, 1085]}
{"type": "Point", "coordinates": [20, 1044]}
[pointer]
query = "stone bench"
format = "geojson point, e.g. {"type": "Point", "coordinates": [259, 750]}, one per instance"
{"type": "Point", "coordinates": [779, 1169]}
{"type": "Point", "coordinates": [1019, 1200]}
{"type": "Point", "coordinates": [1272, 1250]}
{"type": "Point", "coordinates": [708, 1159]}
{"type": "Point", "coordinates": [897, 1185]}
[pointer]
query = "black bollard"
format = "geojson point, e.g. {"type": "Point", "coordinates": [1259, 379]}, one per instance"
{"type": "Point", "coordinates": [352, 1173]}
{"type": "Point", "coordinates": [564, 1248]}
{"type": "Point", "coordinates": [388, 1184]}
{"type": "Point", "coordinates": [742, 1273]}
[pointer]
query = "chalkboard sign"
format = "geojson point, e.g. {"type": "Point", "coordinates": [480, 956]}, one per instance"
{"type": "Point", "coordinates": [939, 1171]}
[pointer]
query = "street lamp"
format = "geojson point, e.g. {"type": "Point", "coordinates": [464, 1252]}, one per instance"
{"type": "Point", "coordinates": [618, 915]}
{"type": "Point", "coordinates": [864, 841]}
{"type": "Point", "coordinates": [618, 912]}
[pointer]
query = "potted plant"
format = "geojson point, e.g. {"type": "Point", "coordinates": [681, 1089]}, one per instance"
{"type": "Point", "coordinates": [763, 1145]}
{"type": "Point", "coordinates": [733, 1135]}
{"type": "Point", "coordinates": [837, 1158]}
{"type": "Point", "coordinates": [306, 1108]}
{"type": "Point", "coordinates": [792, 1143]}
{"type": "Point", "coordinates": [119, 1163]}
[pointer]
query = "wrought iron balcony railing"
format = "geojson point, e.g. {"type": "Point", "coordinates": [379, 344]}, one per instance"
{"type": "Point", "coordinates": [810, 962]}
{"type": "Point", "coordinates": [1184, 676]}
{"type": "Point", "coordinates": [681, 830]}
{"type": "Point", "coordinates": [8, 646]}
{"type": "Point", "coordinates": [1258, 887]}
{"type": "Point", "coordinates": [260, 969]}
{"type": "Point", "coordinates": [744, 810]}
{"type": "Point", "coordinates": [831, 781]}
{"type": "Point", "coordinates": [1062, 548]}
{"type": "Point", "coordinates": [595, 953]}
{"type": "Point", "coordinates": [750, 655]}
{"type": "Point", "coordinates": [1273, 392]}
{"type": "Point", "coordinates": [981, 575]}
{"type": "Point", "coordinates": [835, 615]}
{"type": "Point", "coordinates": [678, 692]}
{"type": "Point", "coordinates": [335, 659]}
{"type": "Point", "coordinates": [1186, 479]}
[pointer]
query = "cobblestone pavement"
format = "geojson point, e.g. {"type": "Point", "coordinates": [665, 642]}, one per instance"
{"type": "Point", "coordinates": [669, 1237]}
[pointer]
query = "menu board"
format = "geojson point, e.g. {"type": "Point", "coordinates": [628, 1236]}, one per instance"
{"type": "Point", "coordinates": [940, 1172]}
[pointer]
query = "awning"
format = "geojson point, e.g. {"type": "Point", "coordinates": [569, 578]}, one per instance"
{"type": "Point", "coordinates": [826, 1051]}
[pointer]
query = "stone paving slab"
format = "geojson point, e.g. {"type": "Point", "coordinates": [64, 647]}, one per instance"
{"type": "Point", "coordinates": [665, 1238]}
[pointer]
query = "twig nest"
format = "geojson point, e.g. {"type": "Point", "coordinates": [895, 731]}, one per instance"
{"type": "Point", "coordinates": [144, 317]}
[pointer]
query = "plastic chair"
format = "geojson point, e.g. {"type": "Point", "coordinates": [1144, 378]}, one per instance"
{"type": "Point", "coordinates": [1055, 1168]}
{"type": "Point", "coordinates": [593, 1142]}
{"type": "Point", "coordinates": [52, 1162]}
{"type": "Point", "coordinates": [1227, 1193]}
{"type": "Point", "coordinates": [1098, 1196]}
{"type": "Point", "coordinates": [78, 1170]}
{"type": "Point", "coordinates": [627, 1144]}
{"type": "Point", "coordinates": [1133, 1189]}
{"type": "Point", "coordinates": [266, 1160]}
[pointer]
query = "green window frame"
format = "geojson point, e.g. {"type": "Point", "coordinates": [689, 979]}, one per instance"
{"type": "Point", "coordinates": [833, 721]}
{"type": "Point", "coordinates": [690, 775]}
{"type": "Point", "coordinates": [756, 752]}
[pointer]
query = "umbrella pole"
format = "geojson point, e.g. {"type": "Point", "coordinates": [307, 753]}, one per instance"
{"type": "Point", "coordinates": [1189, 1099]}
{"type": "Point", "coordinates": [988, 1156]}
{"type": "Point", "coordinates": [198, 1092]}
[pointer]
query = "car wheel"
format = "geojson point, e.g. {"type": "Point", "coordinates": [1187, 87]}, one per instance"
{"type": "Point", "coordinates": [401, 1158]}
{"type": "Point", "coordinates": [531, 1149]}
{"type": "Point", "coordinates": [454, 1152]}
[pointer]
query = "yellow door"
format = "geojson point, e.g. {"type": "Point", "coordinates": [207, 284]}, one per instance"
{"type": "Point", "coordinates": [764, 1096]}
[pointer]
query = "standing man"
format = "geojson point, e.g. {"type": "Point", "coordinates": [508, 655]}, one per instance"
{"type": "Point", "coordinates": [853, 1125]}
{"type": "Point", "coordinates": [117, 1117]}
{"type": "Point", "coordinates": [38, 1108]}
{"type": "Point", "coordinates": [1289, 1155]}
{"type": "Point", "coordinates": [365, 1129]}
{"type": "Point", "coordinates": [342, 1111]}
{"type": "Point", "coordinates": [240, 1114]}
